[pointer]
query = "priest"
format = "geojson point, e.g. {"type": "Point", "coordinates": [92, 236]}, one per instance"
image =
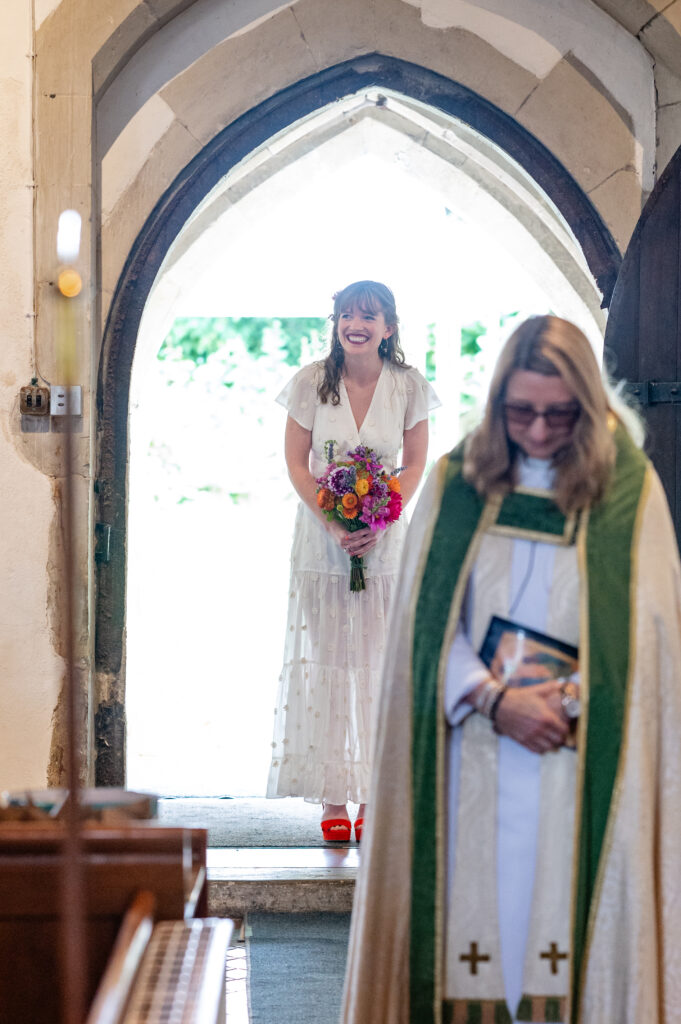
{"type": "Point", "coordinates": [523, 856]}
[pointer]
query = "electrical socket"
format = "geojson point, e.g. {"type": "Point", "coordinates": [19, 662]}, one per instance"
{"type": "Point", "coordinates": [34, 400]}
{"type": "Point", "coordinates": [58, 400]}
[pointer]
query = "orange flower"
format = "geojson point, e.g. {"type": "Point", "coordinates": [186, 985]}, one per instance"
{"type": "Point", "coordinates": [350, 513]}
{"type": "Point", "coordinates": [394, 484]}
{"type": "Point", "coordinates": [362, 486]}
{"type": "Point", "coordinates": [349, 501]}
{"type": "Point", "coordinates": [325, 499]}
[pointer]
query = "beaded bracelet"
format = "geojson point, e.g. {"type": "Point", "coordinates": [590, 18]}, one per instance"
{"type": "Point", "coordinates": [495, 705]}
{"type": "Point", "coordinates": [489, 697]}
{"type": "Point", "coordinates": [485, 696]}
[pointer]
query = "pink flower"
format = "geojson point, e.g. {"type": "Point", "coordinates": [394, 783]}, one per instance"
{"type": "Point", "coordinates": [394, 506]}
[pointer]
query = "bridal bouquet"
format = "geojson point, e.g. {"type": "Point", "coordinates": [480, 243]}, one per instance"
{"type": "Point", "coordinates": [360, 494]}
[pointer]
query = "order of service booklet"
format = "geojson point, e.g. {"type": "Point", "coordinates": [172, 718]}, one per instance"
{"type": "Point", "coordinates": [519, 656]}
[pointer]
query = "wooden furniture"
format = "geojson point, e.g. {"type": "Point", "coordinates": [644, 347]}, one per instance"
{"type": "Point", "coordinates": [174, 970]}
{"type": "Point", "coordinates": [126, 956]}
{"type": "Point", "coordinates": [167, 865]}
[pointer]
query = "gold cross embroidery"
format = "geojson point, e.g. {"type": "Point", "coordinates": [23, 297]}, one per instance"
{"type": "Point", "coordinates": [474, 957]}
{"type": "Point", "coordinates": [554, 956]}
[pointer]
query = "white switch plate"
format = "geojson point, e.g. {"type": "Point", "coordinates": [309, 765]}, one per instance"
{"type": "Point", "coordinates": [58, 400]}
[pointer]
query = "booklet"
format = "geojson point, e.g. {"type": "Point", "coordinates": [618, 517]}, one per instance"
{"type": "Point", "coordinates": [518, 656]}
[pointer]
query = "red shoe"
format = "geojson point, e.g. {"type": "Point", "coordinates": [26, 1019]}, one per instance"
{"type": "Point", "coordinates": [336, 830]}
{"type": "Point", "coordinates": [359, 824]}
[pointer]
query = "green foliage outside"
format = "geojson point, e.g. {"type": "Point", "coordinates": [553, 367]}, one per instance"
{"type": "Point", "coordinates": [470, 350]}
{"type": "Point", "coordinates": [431, 363]}
{"type": "Point", "coordinates": [229, 367]}
{"type": "Point", "coordinates": [470, 345]}
{"type": "Point", "coordinates": [474, 357]}
{"type": "Point", "coordinates": [216, 371]}
{"type": "Point", "coordinates": [195, 339]}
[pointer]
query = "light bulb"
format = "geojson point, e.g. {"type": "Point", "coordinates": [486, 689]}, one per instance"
{"type": "Point", "coordinates": [68, 236]}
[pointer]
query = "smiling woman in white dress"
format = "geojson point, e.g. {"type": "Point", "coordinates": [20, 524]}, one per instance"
{"type": "Point", "coordinates": [362, 393]}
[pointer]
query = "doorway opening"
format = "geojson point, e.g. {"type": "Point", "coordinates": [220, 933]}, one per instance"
{"type": "Point", "coordinates": [378, 186]}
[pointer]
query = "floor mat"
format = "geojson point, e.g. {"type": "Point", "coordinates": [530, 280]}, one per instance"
{"type": "Point", "coordinates": [248, 822]}
{"type": "Point", "coordinates": [296, 966]}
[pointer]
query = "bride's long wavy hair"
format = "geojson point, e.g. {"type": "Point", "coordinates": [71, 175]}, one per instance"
{"type": "Point", "coordinates": [369, 297]}
{"type": "Point", "coordinates": [555, 348]}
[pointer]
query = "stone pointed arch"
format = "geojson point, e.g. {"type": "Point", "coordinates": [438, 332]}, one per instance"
{"type": "Point", "coordinates": [198, 178]}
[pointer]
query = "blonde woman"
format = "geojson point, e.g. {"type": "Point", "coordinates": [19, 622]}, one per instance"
{"type": "Point", "coordinates": [537, 874]}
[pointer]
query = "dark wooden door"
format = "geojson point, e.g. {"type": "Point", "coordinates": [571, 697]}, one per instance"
{"type": "Point", "coordinates": [643, 335]}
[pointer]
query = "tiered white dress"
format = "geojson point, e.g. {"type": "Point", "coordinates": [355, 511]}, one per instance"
{"type": "Point", "coordinates": [335, 638]}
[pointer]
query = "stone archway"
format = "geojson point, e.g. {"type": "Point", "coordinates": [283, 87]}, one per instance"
{"type": "Point", "coordinates": [232, 145]}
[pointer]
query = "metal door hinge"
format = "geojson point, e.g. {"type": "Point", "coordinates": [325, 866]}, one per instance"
{"type": "Point", "coordinates": [102, 543]}
{"type": "Point", "coordinates": [656, 392]}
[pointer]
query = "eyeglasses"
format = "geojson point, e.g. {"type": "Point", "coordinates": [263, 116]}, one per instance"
{"type": "Point", "coordinates": [557, 417]}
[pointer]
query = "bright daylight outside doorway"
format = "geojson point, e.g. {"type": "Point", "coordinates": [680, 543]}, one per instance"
{"type": "Point", "coordinates": [240, 303]}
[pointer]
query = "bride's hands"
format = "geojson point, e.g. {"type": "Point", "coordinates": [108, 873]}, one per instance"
{"type": "Point", "coordinates": [358, 543]}
{"type": "Point", "coordinates": [361, 542]}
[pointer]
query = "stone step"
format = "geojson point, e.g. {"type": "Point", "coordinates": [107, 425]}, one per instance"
{"type": "Point", "coordinates": [281, 880]}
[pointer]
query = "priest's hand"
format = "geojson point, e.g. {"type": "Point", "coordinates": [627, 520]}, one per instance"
{"type": "Point", "coordinates": [531, 716]}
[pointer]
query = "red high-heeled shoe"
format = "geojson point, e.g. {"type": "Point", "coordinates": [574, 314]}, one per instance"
{"type": "Point", "coordinates": [336, 830]}
{"type": "Point", "coordinates": [359, 825]}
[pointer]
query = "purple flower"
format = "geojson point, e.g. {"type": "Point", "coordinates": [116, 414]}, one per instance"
{"type": "Point", "coordinates": [341, 480]}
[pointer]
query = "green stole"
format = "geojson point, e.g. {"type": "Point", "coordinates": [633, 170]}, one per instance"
{"type": "Point", "coordinates": [608, 536]}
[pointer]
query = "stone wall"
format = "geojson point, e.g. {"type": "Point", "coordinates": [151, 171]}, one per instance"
{"type": "Point", "coordinates": [30, 660]}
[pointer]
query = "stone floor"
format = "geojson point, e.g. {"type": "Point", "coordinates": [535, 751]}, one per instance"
{"type": "Point", "coordinates": [286, 880]}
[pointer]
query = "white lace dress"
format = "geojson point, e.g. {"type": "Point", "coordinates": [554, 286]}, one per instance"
{"type": "Point", "coordinates": [335, 638]}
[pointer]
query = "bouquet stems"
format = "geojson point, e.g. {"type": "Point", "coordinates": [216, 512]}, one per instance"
{"type": "Point", "coordinates": [357, 573]}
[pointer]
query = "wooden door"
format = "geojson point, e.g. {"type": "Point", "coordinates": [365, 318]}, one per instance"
{"type": "Point", "coordinates": [643, 334]}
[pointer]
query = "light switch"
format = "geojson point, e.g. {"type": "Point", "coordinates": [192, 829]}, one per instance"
{"type": "Point", "coordinates": [58, 400]}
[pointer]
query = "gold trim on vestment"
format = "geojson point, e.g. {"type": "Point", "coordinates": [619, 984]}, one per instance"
{"type": "Point", "coordinates": [563, 539]}
{"type": "Point", "coordinates": [582, 721]}
{"type": "Point", "coordinates": [460, 1010]}
{"type": "Point", "coordinates": [518, 532]}
{"type": "Point", "coordinates": [535, 492]}
{"type": "Point", "coordinates": [535, 1008]}
{"type": "Point", "coordinates": [606, 846]}
{"type": "Point", "coordinates": [440, 838]}
{"type": "Point", "coordinates": [441, 466]}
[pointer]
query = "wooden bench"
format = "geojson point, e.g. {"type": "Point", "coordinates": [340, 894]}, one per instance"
{"type": "Point", "coordinates": [119, 864]}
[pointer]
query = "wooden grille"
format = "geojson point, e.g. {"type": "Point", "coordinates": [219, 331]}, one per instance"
{"type": "Point", "coordinates": [182, 977]}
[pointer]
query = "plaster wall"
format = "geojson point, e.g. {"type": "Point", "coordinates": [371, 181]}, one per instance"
{"type": "Point", "coordinates": [31, 665]}
{"type": "Point", "coordinates": [603, 125]}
